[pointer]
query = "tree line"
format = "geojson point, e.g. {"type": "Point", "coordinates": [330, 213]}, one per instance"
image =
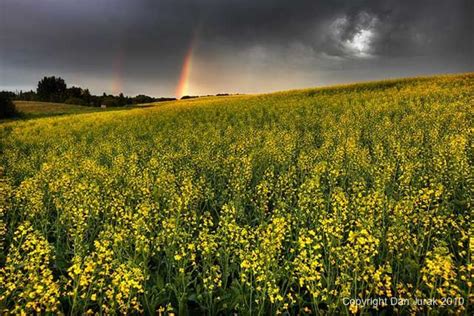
{"type": "Point", "coordinates": [54, 89]}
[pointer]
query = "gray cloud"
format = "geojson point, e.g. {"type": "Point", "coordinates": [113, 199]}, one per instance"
{"type": "Point", "coordinates": [241, 46]}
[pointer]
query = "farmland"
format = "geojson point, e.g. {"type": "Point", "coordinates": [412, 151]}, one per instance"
{"type": "Point", "coordinates": [255, 204]}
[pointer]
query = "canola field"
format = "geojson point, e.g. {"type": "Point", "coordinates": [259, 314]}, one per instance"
{"type": "Point", "coordinates": [300, 202]}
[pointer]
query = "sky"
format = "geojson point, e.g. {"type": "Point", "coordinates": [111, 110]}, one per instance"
{"type": "Point", "coordinates": [199, 47]}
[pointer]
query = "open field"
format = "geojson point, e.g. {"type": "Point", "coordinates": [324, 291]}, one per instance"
{"type": "Point", "coordinates": [295, 201]}
{"type": "Point", "coordinates": [35, 109]}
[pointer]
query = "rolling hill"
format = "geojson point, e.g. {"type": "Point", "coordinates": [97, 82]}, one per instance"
{"type": "Point", "coordinates": [293, 201]}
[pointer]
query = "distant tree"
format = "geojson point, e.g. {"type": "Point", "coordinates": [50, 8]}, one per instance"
{"type": "Point", "coordinates": [142, 99]}
{"type": "Point", "coordinates": [74, 92]}
{"type": "Point", "coordinates": [96, 101]}
{"type": "Point", "coordinates": [7, 107]}
{"type": "Point", "coordinates": [27, 96]}
{"type": "Point", "coordinates": [86, 96]}
{"type": "Point", "coordinates": [51, 89]}
{"type": "Point", "coordinates": [9, 94]}
{"type": "Point", "coordinates": [121, 100]}
{"type": "Point", "coordinates": [110, 101]}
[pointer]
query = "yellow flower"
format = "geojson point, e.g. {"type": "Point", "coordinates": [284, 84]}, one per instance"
{"type": "Point", "coordinates": [353, 308]}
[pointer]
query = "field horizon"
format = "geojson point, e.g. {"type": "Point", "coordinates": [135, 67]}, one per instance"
{"type": "Point", "coordinates": [40, 109]}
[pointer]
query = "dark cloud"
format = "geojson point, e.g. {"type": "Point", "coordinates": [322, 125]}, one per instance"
{"type": "Point", "coordinates": [241, 46]}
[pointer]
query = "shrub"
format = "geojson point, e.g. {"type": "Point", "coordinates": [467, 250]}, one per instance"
{"type": "Point", "coordinates": [7, 107]}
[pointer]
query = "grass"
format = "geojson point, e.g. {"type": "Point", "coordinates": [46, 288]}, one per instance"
{"type": "Point", "coordinates": [298, 201]}
{"type": "Point", "coordinates": [36, 109]}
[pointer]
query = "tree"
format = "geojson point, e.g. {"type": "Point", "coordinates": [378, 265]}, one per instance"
{"type": "Point", "coordinates": [7, 107]}
{"type": "Point", "coordinates": [74, 92]}
{"type": "Point", "coordinates": [51, 89]}
{"type": "Point", "coordinates": [122, 100]}
{"type": "Point", "coordinates": [141, 98]}
{"type": "Point", "coordinates": [86, 96]}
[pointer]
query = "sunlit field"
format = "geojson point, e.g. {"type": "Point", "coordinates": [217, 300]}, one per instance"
{"type": "Point", "coordinates": [299, 202]}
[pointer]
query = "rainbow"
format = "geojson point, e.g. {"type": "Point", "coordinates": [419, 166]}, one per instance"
{"type": "Point", "coordinates": [183, 83]}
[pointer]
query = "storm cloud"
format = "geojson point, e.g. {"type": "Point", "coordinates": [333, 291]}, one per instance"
{"type": "Point", "coordinates": [239, 45]}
